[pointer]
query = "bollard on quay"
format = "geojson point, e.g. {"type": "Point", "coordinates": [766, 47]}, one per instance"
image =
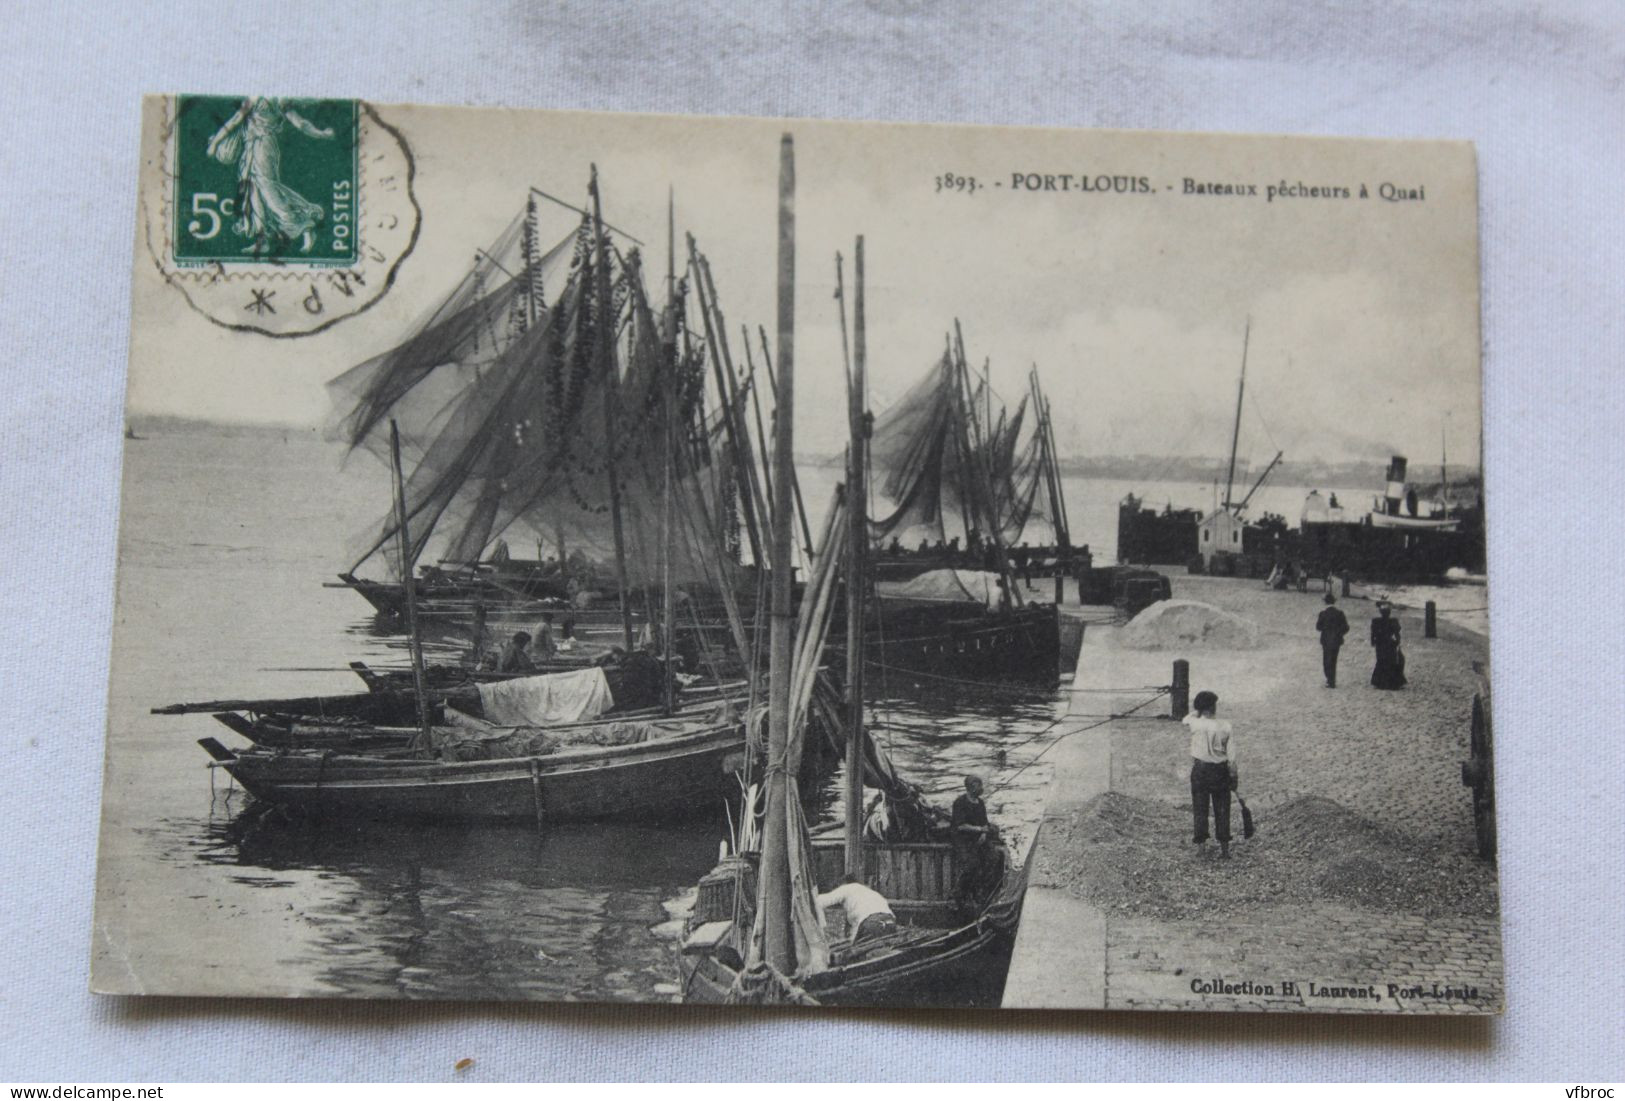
{"type": "Point", "coordinates": [1430, 620]}
{"type": "Point", "coordinates": [1179, 697]}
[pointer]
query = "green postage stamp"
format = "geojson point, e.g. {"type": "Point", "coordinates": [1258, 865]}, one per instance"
{"type": "Point", "coordinates": [275, 215]}
{"type": "Point", "coordinates": [265, 178]}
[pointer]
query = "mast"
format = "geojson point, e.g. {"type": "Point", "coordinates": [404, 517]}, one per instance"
{"type": "Point", "coordinates": [735, 394]}
{"type": "Point", "coordinates": [408, 567]}
{"type": "Point", "coordinates": [606, 354]}
{"type": "Point", "coordinates": [969, 502]}
{"type": "Point", "coordinates": [987, 393]}
{"type": "Point", "coordinates": [1240, 508]}
{"type": "Point", "coordinates": [668, 380]}
{"type": "Point", "coordinates": [795, 485]}
{"type": "Point", "coordinates": [1235, 434]}
{"type": "Point", "coordinates": [982, 473]}
{"type": "Point", "coordinates": [761, 425]}
{"type": "Point", "coordinates": [1444, 476]}
{"type": "Point", "coordinates": [857, 499]}
{"type": "Point", "coordinates": [1052, 478]}
{"type": "Point", "coordinates": [775, 873]}
{"type": "Point", "coordinates": [738, 443]}
{"type": "Point", "coordinates": [1055, 460]}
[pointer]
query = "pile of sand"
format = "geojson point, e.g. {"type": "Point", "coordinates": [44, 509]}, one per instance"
{"type": "Point", "coordinates": [1187, 624]}
{"type": "Point", "coordinates": [1134, 857]}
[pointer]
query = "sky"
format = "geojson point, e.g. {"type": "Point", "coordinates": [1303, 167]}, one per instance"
{"type": "Point", "coordinates": [1359, 316]}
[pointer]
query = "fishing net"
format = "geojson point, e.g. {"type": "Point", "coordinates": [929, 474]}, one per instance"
{"type": "Point", "coordinates": [514, 423]}
{"type": "Point", "coordinates": [939, 451]}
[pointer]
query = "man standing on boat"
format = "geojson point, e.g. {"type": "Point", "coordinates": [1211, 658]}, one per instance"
{"type": "Point", "coordinates": [974, 839]}
{"type": "Point", "coordinates": [1333, 626]}
{"type": "Point", "coordinates": [1213, 769]}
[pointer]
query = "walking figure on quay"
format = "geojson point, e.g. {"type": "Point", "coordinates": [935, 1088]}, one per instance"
{"type": "Point", "coordinates": [1389, 672]}
{"type": "Point", "coordinates": [1333, 626]}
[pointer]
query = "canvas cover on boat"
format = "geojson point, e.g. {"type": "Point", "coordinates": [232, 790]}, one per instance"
{"type": "Point", "coordinates": [941, 586]}
{"type": "Point", "coordinates": [549, 699]}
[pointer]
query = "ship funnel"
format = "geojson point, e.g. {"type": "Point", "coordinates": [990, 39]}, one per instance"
{"type": "Point", "coordinates": [1396, 484]}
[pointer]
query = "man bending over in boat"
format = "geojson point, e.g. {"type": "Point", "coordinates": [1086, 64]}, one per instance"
{"type": "Point", "coordinates": [975, 844]}
{"type": "Point", "coordinates": [867, 913]}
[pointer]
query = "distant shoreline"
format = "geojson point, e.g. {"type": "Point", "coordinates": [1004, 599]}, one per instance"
{"type": "Point", "coordinates": [1196, 470]}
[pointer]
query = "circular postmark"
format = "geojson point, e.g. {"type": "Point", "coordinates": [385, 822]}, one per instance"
{"type": "Point", "coordinates": [278, 216]}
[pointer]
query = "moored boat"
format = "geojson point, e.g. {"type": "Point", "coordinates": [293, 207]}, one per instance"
{"type": "Point", "coordinates": [656, 768]}
{"type": "Point", "coordinates": [936, 897]}
{"type": "Point", "coordinates": [939, 948]}
{"type": "Point", "coordinates": [963, 641]}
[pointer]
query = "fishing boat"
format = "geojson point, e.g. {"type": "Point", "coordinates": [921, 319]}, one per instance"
{"type": "Point", "coordinates": [545, 399]}
{"type": "Point", "coordinates": [650, 762]}
{"type": "Point", "coordinates": [938, 950]}
{"type": "Point", "coordinates": [383, 717]}
{"type": "Point", "coordinates": [949, 448]}
{"type": "Point", "coordinates": [963, 641]}
{"type": "Point", "coordinates": [756, 933]}
{"type": "Point", "coordinates": [659, 767]}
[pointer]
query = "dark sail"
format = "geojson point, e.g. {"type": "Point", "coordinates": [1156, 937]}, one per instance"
{"type": "Point", "coordinates": [937, 455]}
{"type": "Point", "coordinates": [500, 395]}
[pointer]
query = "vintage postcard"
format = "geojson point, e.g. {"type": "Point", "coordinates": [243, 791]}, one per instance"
{"type": "Point", "coordinates": [600, 557]}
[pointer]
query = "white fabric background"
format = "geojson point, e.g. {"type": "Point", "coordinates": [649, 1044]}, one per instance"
{"type": "Point", "coordinates": [1537, 86]}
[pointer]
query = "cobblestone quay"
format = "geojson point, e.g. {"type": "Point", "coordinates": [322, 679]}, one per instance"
{"type": "Point", "coordinates": [1362, 890]}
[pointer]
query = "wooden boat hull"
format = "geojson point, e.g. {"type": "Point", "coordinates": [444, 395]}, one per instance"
{"type": "Point", "coordinates": [963, 965]}
{"type": "Point", "coordinates": [462, 600]}
{"type": "Point", "coordinates": [660, 779]}
{"type": "Point", "coordinates": [970, 961]}
{"type": "Point", "coordinates": [958, 644]}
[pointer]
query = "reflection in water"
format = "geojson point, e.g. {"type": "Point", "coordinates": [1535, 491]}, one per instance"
{"type": "Point", "coordinates": [472, 913]}
{"type": "Point", "coordinates": [218, 895]}
{"type": "Point", "coordinates": [577, 912]}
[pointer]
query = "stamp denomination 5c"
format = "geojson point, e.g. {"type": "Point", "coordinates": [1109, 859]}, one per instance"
{"type": "Point", "coordinates": [279, 216]}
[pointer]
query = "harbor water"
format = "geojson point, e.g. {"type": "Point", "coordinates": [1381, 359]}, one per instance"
{"type": "Point", "coordinates": [228, 536]}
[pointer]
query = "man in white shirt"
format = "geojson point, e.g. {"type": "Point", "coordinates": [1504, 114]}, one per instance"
{"type": "Point", "coordinates": [867, 912]}
{"type": "Point", "coordinates": [1213, 769]}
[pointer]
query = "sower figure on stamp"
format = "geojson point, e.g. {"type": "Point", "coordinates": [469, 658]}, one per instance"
{"type": "Point", "coordinates": [269, 211]}
{"type": "Point", "coordinates": [1333, 626]}
{"type": "Point", "coordinates": [1213, 769]}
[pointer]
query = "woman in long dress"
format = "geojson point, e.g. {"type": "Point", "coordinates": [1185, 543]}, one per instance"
{"type": "Point", "coordinates": [1390, 668]}
{"type": "Point", "coordinates": [269, 212]}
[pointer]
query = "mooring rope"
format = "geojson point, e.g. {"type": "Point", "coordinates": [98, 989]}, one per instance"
{"type": "Point", "coordinates": [1059, 738]}
{"type": "Point", "coordinates": [1016, 688]}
